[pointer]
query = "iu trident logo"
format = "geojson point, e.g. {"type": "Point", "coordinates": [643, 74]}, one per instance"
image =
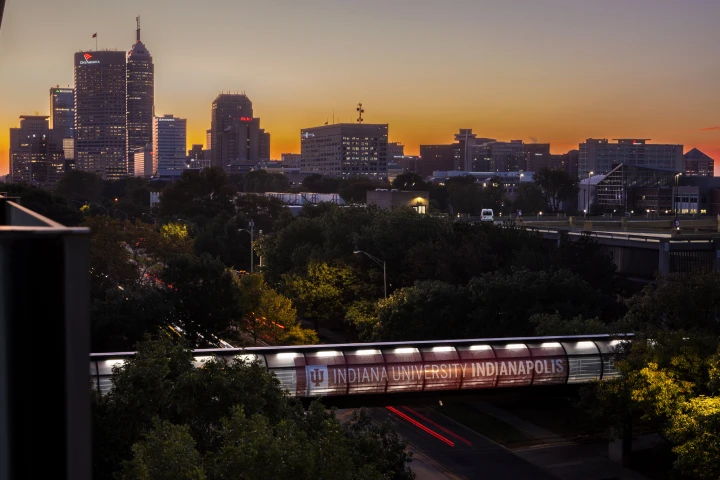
{"type": "Point", "coordinates": [317, 378]}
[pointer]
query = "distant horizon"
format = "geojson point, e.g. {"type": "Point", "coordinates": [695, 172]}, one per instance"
{"type": "Point", "coordinates": [425, 68]}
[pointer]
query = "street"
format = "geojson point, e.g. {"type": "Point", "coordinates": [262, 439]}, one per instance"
{"type": "Point", "coordinates": [445, 449]}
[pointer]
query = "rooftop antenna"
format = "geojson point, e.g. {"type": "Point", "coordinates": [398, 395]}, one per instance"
{"type": "Point", "coordinates": [137, 20]}
{"type": "Point", "coordinates": [360, 113]}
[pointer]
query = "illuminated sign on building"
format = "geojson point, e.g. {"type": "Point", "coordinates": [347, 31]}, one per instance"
{"type": "Point", "coordinates": [87, 61]}
{"type": "Point", "coordinates": [245, 119]}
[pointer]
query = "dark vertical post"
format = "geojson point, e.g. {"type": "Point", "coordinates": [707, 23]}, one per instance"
{"type": "Point", "coordinates": [44, 348]}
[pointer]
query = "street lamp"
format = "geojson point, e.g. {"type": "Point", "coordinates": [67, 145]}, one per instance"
{"type": "Point", "coordinates": [252, 240]}
{"type": "Point", "coordinates": [379, 262]}
{"type": "Point", "coordinates": [675, 193]}
{"type": "Point", "coordinates": [587, 203]}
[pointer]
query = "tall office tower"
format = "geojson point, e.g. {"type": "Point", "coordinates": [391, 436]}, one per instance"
{"type": "Point", "coordinates": [264, 146]}
{"type": "Point", "coordinates": [208, 145]}
{"type": "Point", "coordinates": [537, 156]}
{"type": "Point", "coordinates": [599, 156]}
{"type": "Point", "coordinates": [100, 122]}
{"type": "Point", "coordinates": [508, 156]}
{"type": "Point", "coordinates": [62, 119]}
{"type": "Point", "coordinates": [699, 164]}
{"type": "Point", "coordinates": [463, 157]}
{"type": "Point", "coordinates": [169, 146]}
{"type": "Point", "coordinates": [435, 158]}
{"type": "Point", "coordinates": [567, 162]}
{"type": "Point", "coordinates": [143, 161]}
{"type": "Point", "coordinates": [227, 110]}
{"type": "Point", "coordinates": [140, 102]}
{"type": "Point", "coordinates": [35, 157]}
{"type": "Point", "coordinates": [345, 150]}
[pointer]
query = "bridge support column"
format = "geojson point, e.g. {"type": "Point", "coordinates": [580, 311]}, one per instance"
{"type": "Point", "coordinates": [620, 446]}
{"type": "Point", "coordinates": [664, 258]}
{"type": "Point", "coordinates": [716, 246]}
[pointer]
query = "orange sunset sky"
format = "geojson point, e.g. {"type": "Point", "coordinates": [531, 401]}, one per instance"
{"type": "Point", "coordinates": [558, 71]}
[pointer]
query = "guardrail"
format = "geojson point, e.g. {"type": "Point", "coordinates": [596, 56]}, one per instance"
{"type": "Point", "coordinates": [44, 301]}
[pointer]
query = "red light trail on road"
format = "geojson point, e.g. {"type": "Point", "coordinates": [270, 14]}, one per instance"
{"type": "Point", "coordinates": [421, 426]}
{"type": "Point", "coordinates": [422, 417]}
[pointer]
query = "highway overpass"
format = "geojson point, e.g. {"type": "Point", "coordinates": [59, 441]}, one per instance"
{"type": "Point", "coordinates": [426, 367]}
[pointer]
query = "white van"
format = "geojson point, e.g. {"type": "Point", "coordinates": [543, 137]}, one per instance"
{"type": "Point", "coordinates": [486, 215]}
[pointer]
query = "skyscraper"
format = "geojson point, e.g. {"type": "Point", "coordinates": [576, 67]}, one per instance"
{"type": "Point", "coordinates": [140, 102]}
{"type": "Point", "coordinates": [62, 119]}
{"type": "Point", "coordinates": [34, 157]}
{"type": "Point", "coordinates": [232, 116]}
{"type": "Point", "coordinates": [169, 145]}
{"type": "Point", "coordinates": [100, 122]}
{"type": "Point", "coordinates": [62, 111]}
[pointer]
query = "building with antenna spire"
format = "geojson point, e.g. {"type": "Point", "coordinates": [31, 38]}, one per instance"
{"type": "Point", "coordinates": [140, 99]}
{"type": "Point", "coordinates": [345, 150]}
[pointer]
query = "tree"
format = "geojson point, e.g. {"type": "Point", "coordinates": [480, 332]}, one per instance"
{"type": "Point", "coordinates": [410, 182]}
{"type": "Point", "coordinates": [121, 318]}
{"type": "Point", "coordinates": [547, 325]}
{"type": "Point", "coordinates": [260, 181]}
{"type": "Point", "coordinates": [110, 261]}
{"type": "Point", "coordinates": [80, 185]}
{"type": "Point", "coordinates": [205, 294]}
{"type": "Point", "coordinates": [378, 447]}
{"type": "Point", "coordinates": [167, 452]}
{"type": "Point", "coordinates": [504, 302]}
{"type": "Point", "coordinates": [354, 190]}
{"type": "Point", "coordinates": [465, 196]}
{"type": "Point", "coordinates": [262, 210]}
{"type": "Point", "coordinates": [203, 194]}
{"type": "Point", "coordinates": [318, 184]}
{"type": "Point", "coordinates": [52, 206]}
{"type": "Point", "coordinates": [694, 432]}
{"type": "Point", "coordinates": [320, 294]}
{"type": "Point", "coordinates": [530, 199]}
{"type": "Point", "coordinates": [557, 186]}
{"type": "Point", "coordinates": [220, 237]}
{"type": "Point", "coordinates": [428, 310]}
{"type": "Point", "coordinates": [269, 316]}
{"type": "Point", "coordinates": [678, 302]}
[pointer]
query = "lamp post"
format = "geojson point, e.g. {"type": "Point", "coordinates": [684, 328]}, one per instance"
{"type": "Point", "coordinates": [379, 262]}
{"type": "Point", "coordinates": [675, 193]}
{"type": "Point", "coordinates": [587, 203]}
{"type": "Point", "coordinates": [251, 224]}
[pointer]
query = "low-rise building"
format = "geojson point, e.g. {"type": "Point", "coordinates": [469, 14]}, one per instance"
{"type": "Point", "coordinates": [391, 198]}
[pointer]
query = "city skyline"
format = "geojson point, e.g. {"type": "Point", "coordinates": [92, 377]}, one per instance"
{"type": "Point", "coordinates": [564, 72]}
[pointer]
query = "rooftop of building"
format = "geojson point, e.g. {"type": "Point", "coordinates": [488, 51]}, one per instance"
{"type": "Point", "coordinates": [696, 154]}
